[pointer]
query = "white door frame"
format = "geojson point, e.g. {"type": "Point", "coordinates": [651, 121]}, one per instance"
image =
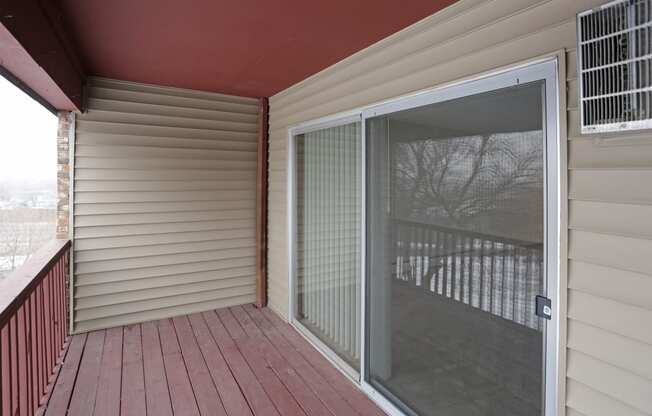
{"type": "Point", "coordinates": [545, 69]}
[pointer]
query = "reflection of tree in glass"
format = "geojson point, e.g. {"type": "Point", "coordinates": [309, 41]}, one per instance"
{"type": "Point", "coordinates": [471, 182]}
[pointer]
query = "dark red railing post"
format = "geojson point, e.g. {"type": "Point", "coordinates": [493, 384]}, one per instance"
{"type": "Point", "coordinates": [33, 328]}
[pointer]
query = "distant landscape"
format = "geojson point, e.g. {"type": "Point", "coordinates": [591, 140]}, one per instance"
{"type": "Point", "coordinates": [27, 220]}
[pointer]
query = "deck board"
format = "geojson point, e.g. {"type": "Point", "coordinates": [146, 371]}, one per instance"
{"type": "Point", "coordinates": [156, 383]}
{"type": "Point", "coordinates": [181, 393]}
{"type": "Point", "coordinates": [82, 402]}
{"type": "Point", "coordinates": [133, 392]}
{"type": "Point", "coordinates": [258, 400]}
{"type": "Point", "coordinates": [227, 386]}
{"type": "Point", "coordinates": [237, 361]}
{"type": "Point", "coordinates": [208, 400]}
{"type": "Point", "coordinates": [341, 384]}
{"type": "Point", "coordinates": [60, 398]}
{"type": "Point", "coordinates": [313, 380]}
{"type": "Point", "coordinates": [276, 390]}
{"type": "Point", "coordinates": [108, 403]}
{"type": "Point", "coordinates": [305, 397]}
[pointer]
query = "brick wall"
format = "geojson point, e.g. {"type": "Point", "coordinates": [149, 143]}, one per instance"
{"type": "Point", "coordinates": [64, 132]}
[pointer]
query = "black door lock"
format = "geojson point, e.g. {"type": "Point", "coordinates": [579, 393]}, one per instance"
{"type": "Point", "coordinates": [543, 307]}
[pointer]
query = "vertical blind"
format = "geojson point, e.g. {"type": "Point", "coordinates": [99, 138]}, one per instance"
{"type": "Point", "coordinates": [328, 237]}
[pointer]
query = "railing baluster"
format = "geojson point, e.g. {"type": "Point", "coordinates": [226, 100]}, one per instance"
{"type": "Point", "coordinates": [446, 258]}
{"type": "Point", "coordinates": [466, 270]}
{"type": "Point", "coordinates": [514, 281]}
{"type": "Point", "coordinates": [528, 287]}
{"type": "Point", "coordinates": [13, 345]}
{"type": "Point", "coordinates": [472, 255]}
{"type": "Point", "coordinates": [454, 266]}
{"type": "Point", "coordinates": [422, 256]}
{"type": "Point", "coordinates": [432, 262]}
{"type": "Point", "coordinates": [5, 371]}
{"type": "Point", "coordinates": [32, 328]}
{"type": "Point", "coordinates": [492, 269]}
{"type": "Point", "coordinates": [436, 261]}
{"type": "Point", "coordinates": [31, 373]}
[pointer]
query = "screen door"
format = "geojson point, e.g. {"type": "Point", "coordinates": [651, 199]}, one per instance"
{"type": "Point", "coordinates": [458, 284]}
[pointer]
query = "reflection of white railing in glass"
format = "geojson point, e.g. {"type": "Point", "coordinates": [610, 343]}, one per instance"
{"type": "Point", "coordinates": [490, 273]}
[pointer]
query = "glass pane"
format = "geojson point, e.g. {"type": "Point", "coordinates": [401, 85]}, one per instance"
{"type": "Point", "coordinates": [328, 237]}
{"type": "Point", "coordinates": [455, 254]}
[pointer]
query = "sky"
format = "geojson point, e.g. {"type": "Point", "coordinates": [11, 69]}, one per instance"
{"type": "Point", "coordinates": [28, 137]}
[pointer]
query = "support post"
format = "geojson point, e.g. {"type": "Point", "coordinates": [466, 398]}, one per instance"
{"type": "Point", "coordinates": [261, 205]}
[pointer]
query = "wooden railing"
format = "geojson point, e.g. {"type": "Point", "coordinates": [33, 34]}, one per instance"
{"type": "Point", "coordinates": [498, 275]}
{"type": "Point", "coordinates": [33, 328]}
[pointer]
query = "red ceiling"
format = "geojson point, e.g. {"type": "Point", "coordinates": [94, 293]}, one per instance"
{"type": "Point", "coordinates": [243, 47]}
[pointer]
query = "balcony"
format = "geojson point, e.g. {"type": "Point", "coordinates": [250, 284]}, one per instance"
{"type": "Point", "coordinates": [231, 361]}
{"type": "Point", "coordinates": [412, 187]}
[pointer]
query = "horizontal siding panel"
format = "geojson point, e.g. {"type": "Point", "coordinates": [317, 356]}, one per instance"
{"type": "Point", "coordinates": [164, 203]}
{"type": "Point", "coordinates": [609, 315]}
{"type": "Point", "coordinates": [169, 91]}
{"type": "Point", "coordinates": [109, 197]}
{"type": "Point", "coordinates": [149, 229]}
{"type": "Point", "coordinates": [172, 166]}
{"type": "Point", "coordinates": [161, 249]}
{"type": "Point", "coordinates": [156, 239]}
{"type": "Point", "coordinates": [180, 185]}
{"type": "Point", "coordinates": [127, 96]}
{"type": "Point", "coordinates": [611, 218]}
{"type": "Point", "coordinates": [186, 288]}
{"type": "Point", "coordinates": [623, 286]}
{"type": "Point", "coordinates": [618, 252]}
{"type": "Point", "coordinates": [237, 172]}
{"type": "Point", "coordinates": [107, 105]}
{"type": "Point", "coordinates": [166, 121]}
{"type": "Point", "coordinates": [84, 150]}
{"type": "Point", "coordinates": [608, 347]}
{"type": "Point", "coordinates": [584, 400]}
{"type": "Point", "coordinates": [173, 142]}
{"type": "Point", "coordinates": [97, 289]}
{"type": "Point", "coordinates": [621, 385]}
{"type": "Point", "coordinates": [625, 152]}
{"type": "Point", "coordinates": [146, 207]}
{"type": "Point", "coordinates": [145, 305]}
{"type": "Point", "coordinates": [163, 270]}
{"type": "Point", "coordinates": [91, 126]}
{"type": "Point", "coordinates": [170, 259]}
{"type": "Point", "coordinates": [620, 186]}
{"type": "Point", "coordinates": [164, 312]}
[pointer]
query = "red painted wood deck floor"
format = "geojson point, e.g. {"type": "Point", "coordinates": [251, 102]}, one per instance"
{"type": "Point", "coordinates": [235, 361]}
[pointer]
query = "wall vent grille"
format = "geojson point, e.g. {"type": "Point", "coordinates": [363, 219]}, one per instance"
{"type": "Point", "coordinates": [615, 63]}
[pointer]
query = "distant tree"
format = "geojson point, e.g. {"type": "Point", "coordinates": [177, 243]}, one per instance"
{"type": "Point", "coordinates": [22, 232]}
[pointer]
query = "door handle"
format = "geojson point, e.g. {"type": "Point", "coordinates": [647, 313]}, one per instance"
{"type": "Point", "coordinates": [543, 307]}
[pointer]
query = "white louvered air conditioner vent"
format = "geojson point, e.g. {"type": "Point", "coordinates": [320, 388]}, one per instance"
{"type": "Point", "coordinates": [615, 65]}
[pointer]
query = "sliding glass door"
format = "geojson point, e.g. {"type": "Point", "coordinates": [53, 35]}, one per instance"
{"type": "Point", "coordinates": [446, 203]}
{"type": "Point", "coordinates": [327, 231]}
{"type": "Point", "coordinates": [456, 250]}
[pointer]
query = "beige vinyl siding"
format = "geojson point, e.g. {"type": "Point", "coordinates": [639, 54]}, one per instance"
{"type": "Point", "coordinates": [607, 294]}
{"type": "Point", "coordinates": [164, 203]}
